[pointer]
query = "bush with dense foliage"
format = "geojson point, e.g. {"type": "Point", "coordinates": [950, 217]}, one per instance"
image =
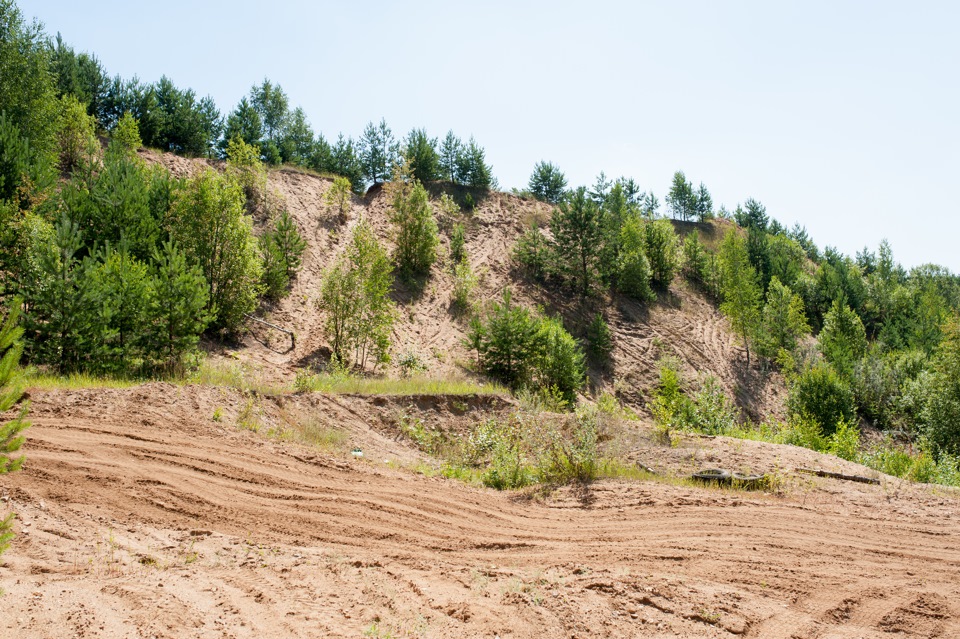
{"type": "Point", "coordinates": [519, 348]}
{"type": "Point", "coordinates": [547, 182]}
{"type": "Point", "coordinates": [820, 395]}
{"type": "Point", "coordinates": [415, 228]}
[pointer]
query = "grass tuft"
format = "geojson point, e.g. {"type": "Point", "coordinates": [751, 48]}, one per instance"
{"type": "Point", "coordinates": [351, 385]}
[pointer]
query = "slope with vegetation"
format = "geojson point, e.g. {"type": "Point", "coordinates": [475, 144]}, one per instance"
{"type": "Point", "coordinates": [325, 317]}
{"type": "Point", "coordinates": [394, 257]}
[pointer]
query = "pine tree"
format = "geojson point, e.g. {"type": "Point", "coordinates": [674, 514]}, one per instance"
{"type": "Point", "coordinates": [560, 361]}
{"type": "Point", "coordinates": [244, 123]}
{"type": "Point", "coordinates": [281, 249]}
{"type": "Point", "coordinates": [450, 150]}
{"type": "Point", "coordinates": [115, 202]}
{"type": "Point", "coordinates": [378, 152]}
{"type": "Point", "coordinates": [662, 249]}
{"type": "Point", "coordinates": [633, 267]}
{"type": "Point", "coordinates": [614, 212]}
{"type": "Point", "coordinates": [506, 342]}
{"type": "Point", "coordinates": [346, 162]}
{"type": "Point", "coordinates": [297, 141]}
{"type": "Point", "coordinates": [740, 289]}
{"type": "Point", "coordinates": [783, 321]}
{"type": "Point", "coordinates": [578, 235]}
{"type": "Point", "coordinates": [547, 182]}
{"type": "Point", "coordinates": [843, 340]}
{"type": "Point", "coordinates": [472, 168]}
{"type": "Point", "coordinates": [123, 286]}
{"type": "Point", "coordinates": [704, 203]}
{"type": "Point", "coordinates": [290, 244]}
{"type": "Point", "coordinates": [63, 311]}
{"type": "Point", "coordinates": [458, 242]}
{"type": "Point", "coordinates": [11, 432]}
{"type": "Point", "coordinates": [680, 200]}
{"type": "Point", "coordinates": [338, 197]}
{"type": "Point", "coordinates": [177, 310]}
{"type": "Point", "coordinates": [421, 154]}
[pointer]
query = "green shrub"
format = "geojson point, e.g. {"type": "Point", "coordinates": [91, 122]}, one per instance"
{"type": "Point", "coordinates": [415, 228]}
{"type": "Point", "coordinates": [507, 469]}
{"type": "Point", "coordinates": [633, 268]}
{"type": "Point", "coordinates": [410, 364]}
{"type": "Point", "coordinates": [671, 409]}
{"type": "Point", "coordinates": [458, 242]}
{"type": "Point", "coordinates": [599, 339]}
{"type": "Point", "coordinates": [712, 411]}
{"type": "Point", "coordinates": [126, 133]}
{"type": "Point", "coordinates": [506, 342]}
{"type": "Point", "coordinates": [464, 282]}
{"type": "Point", "coordinates": [819, 394]}
{"type": "Point", "coordinates": [876, 388]}
{"type": "Point", "coordinates": [208, 223]}
{"type": "Point", "coordinates": [533, 254]}
{"type": "Point", "coordinates": [281, 249]}
{"type": "Point", "coordinates": [355, 298]}
{"type": "Point", "coordinates": [519, 348]}
{"type": "Point", "coordinates": [845, 441]}
{"type": "Point", "coordinates": [75, 133]}
{"type": "Point", "coordinates": [572, 455]}
{"type": "Point", "coordinates": [662, 248]}
{"type": "Point", "coordinates": [843, 340]}
{"type": "Point", "coordinates": [560, 361]}
{"type": "Point", "coordinates": [804, 432]}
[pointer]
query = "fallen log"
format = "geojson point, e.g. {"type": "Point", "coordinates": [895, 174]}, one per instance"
{"type": "Point", "coordinates": [826, 473]}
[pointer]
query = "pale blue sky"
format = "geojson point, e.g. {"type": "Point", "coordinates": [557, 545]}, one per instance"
{"type": "Point", "coordinates": [840, 115]}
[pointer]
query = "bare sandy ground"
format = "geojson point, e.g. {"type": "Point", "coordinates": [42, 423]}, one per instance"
{"type": "Point", "coordinates": [141, 516]}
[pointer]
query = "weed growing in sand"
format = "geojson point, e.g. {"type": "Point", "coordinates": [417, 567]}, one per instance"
{"type": "Point", "coordinates": [218, 414]}
{"type": "Point", "coordinates": [315, 433]}
{"type": "Point", "coordinates": [374, 630]}
{"type": "Point", "coordinates": [427, 438]}
{"type": "Point", "coordinates": [249, 418]}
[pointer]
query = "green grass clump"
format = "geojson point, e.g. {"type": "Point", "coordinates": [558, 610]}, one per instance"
{"type": "Point", "coordinates": [314, 433]}
{"type": "Point", "coordinates": [353, 385]}
{"type": "Point", "coordinates": [232, 375]}
{"type": "Point", "coordinates": [33, 378]}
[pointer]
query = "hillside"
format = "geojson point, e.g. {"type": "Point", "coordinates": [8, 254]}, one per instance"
{"type": "Point", "coordinates": [178, 510]}
{"type": "Point", "coordinates": [682, 323]}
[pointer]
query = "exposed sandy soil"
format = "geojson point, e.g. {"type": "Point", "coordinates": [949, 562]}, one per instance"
{"type": "Point", "coordinates": [141, 516]}
{"type": "Point", "coordinates": [683, 323]}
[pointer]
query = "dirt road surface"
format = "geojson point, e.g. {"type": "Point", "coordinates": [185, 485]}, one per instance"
{"type": "Point", "coordinates": [141, 516]}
